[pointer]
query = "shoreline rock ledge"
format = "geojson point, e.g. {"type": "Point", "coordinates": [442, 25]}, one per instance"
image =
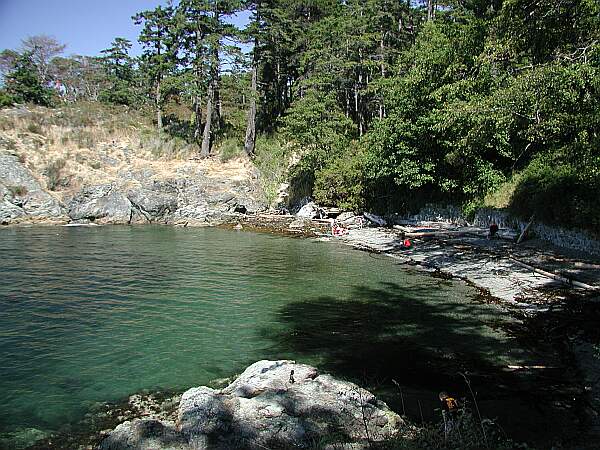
{"type": "Point", "coordinates": [263, 408]}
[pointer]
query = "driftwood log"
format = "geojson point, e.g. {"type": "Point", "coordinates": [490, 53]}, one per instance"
{"type": "Point", "coordinates": [561, 278]}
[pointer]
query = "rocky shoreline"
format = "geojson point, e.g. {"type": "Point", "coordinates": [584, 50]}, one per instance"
{"type": "Point", "coordinates": [272, 404]}
{"type": "Point", "coordinates": [140, 197]}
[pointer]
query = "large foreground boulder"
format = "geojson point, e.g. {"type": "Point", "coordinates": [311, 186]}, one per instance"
{"type": "Point", "coordinates": [273, 404]}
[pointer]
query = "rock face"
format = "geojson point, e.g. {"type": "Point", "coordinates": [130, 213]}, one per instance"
{"type": "Point", "coordinates": [152, 204]}
{"type": "Point", "coordinates": [172, 201]}
{"type": "Point", "coordinates": [103, 203]}
{"type": "Point", "coordinates": [22, 197]}
{"type": "Point", "coordinates": [138, 197]}
{"type": "Point", "coordinates": [273, 404]}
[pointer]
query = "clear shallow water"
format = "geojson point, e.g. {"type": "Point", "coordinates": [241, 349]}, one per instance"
{"type": "Point", "coordinates": [95, 314]}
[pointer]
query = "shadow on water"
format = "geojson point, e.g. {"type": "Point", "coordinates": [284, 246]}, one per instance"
{"type": "Point", "coordinates": [397, 333]}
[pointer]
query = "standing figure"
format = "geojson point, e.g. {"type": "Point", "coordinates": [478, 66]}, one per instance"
{"type": "Point", "coordinates": [449, 412]}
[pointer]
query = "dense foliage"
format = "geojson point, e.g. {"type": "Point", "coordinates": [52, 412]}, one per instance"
{"type": "Point", "coordinates": [384, 104]}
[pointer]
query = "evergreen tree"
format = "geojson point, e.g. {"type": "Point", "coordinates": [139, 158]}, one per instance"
{"type": "Point", "coordinates": [202, 29]}
{"type": "Point", "coordinates": [159, 56]}
{"type": "Point", "coordinates": [24, 85]}
{"type": "Point", "coordinates": [120, 72]}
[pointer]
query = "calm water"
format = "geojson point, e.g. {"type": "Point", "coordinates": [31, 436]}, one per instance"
{"type": "Point", "coordinates": [95, 314]}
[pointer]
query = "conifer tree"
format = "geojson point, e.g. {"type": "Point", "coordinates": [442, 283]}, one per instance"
{"type": "Point", "coordinates": [119, 67]}
{"type": "Point", "coordinates": [23, 83]}
{"type": "Point", "coordinates": [159, 49]}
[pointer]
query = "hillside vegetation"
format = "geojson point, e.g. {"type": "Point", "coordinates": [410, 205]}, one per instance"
{"type": "Point", "coordinates": [73, 147]}
{"type": "Point", "coordinates": [382, 105]}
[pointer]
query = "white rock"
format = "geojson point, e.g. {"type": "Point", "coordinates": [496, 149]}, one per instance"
{"type": "Point", "coordinates": [272, 404]}
{"type": "Point", "coordinates": [310, 211]}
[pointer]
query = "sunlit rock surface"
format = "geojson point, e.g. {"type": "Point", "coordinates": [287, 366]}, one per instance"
{"type": "Point", "coordinates": [273, 404]}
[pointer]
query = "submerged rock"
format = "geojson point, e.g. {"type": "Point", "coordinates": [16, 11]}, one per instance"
{"type": "Point", "coordinates": [273, 404]}
{"type": "Point", "coordinates": [22, 438]}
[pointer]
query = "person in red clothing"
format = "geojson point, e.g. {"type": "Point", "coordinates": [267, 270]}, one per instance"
{"type": "Point", "coordinates": [406, 243]}
{"type": "Point", "coordinates": [336, 230]}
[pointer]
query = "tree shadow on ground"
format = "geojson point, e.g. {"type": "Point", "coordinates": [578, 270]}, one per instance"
{"type": "Point", "coordinates": [176, 127]}
{"type": "Point", "coordinates": [398, 333]}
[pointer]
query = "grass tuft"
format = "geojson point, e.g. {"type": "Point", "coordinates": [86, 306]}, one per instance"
{"type": "Point", "coordinates": [54, 173]}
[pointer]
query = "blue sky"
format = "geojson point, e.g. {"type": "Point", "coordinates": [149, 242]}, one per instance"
{"type": "Point", "coordinates": [86, 26]}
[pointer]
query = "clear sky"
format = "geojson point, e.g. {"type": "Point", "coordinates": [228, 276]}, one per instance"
{"type": "Point", "coordinates": [86, 26]}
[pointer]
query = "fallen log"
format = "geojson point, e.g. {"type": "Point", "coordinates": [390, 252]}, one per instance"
{"type": "Point", "coordinates": [561, 278]}
{"type": "Point", "coordinates": [275, 216]}
{"type": "Point", "coordinates": [443, 233]}
{"type": "Point", "coordinates": [516, 367]}
{"type": "Point", "coordinates": [526, 230]}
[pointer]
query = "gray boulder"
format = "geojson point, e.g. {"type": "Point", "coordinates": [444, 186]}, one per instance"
{"type": "Point", "coordinates": [273, 404]}
{"type": "Point", "coordinates": [101, 203]}
{"type": "Point", "coordinates": [147, 434]}
{"type": "Point", "coordinates": [22, 197]}
{"type": "Point", "coordinates": [311, 211]}
{"type": "Point", "coordinates": [152, 205]}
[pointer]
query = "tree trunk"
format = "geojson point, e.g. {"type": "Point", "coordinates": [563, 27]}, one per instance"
{"type": "Point", "coordinates": [197, 116]}
{"type": "Point", "coordinates": [159, 122]}
{"type": "Point", "coordinates": [429, 10]}
{"type": "Point", "coordinates": [206, 136]}
{"type": "Point", "coordinates": [382, 56]}
{"type": "Point", "coordinates": [250, 140]}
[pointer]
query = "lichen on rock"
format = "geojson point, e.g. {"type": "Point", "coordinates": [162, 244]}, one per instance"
{"type": "Point", "coordinates": [272, 404]}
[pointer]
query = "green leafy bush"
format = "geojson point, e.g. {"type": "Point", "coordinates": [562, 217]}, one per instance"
{"type": "Point", "coordinates": [230, 148]}
{"type": "Point", "coordinates": [560, 194]}
{"type": "Point", "coordinates": [6, 99]}
{"type": "Point", "coordinates": [340, 182]}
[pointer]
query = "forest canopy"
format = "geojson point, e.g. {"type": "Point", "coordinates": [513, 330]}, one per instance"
{"type": "Point", "coordinates": [385, 105]}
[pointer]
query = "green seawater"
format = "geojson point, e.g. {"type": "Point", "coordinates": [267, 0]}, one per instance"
{"type": "Point", "coordinates": [96, 314]}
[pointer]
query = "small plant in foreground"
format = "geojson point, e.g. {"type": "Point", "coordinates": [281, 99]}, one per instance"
{"type": "Point", "coordinates": [35, 128]}
{"type": "Point", "coordinates": [18, 191]}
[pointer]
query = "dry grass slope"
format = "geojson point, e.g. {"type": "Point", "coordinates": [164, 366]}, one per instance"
{"type": "Point", "coordinates": [82, 144]}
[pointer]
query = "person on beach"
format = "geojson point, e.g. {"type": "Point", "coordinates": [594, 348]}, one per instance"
{"type": "Point", "coordinates": [336, 230]}
{"type": "Point", "coordinates": [449, 412]}
{"type": "Point", "coordinates": [405, 242]}
{"type": "Point", "coordinates": [492, 231]}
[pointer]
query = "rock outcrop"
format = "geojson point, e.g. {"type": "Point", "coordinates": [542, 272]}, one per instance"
{"type": "Point", "coordinates": [141, 196]}
{"type": "Point", "coordinates": [273, 404]}
{"type": "Point", "coordinates": [103, 203]}
{"type": "Point", "coordinates": [81, 163]}
{"type": "Point", "coordinates": [22, 198]}
{"type": "Point", "coordinates": [311, 211]}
